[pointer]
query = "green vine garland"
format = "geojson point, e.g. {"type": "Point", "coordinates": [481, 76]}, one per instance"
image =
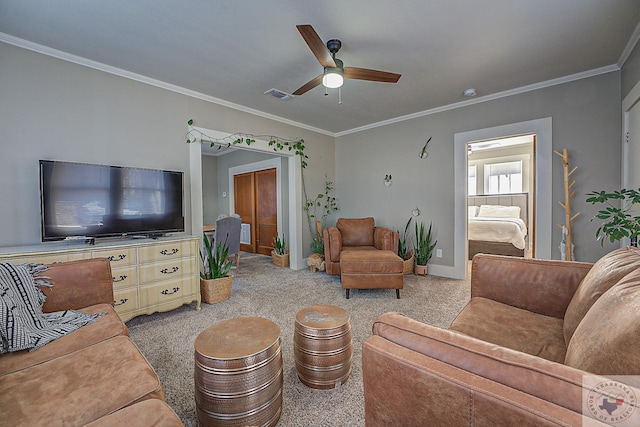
{"type": "Point", "coordinates": [277, 143]}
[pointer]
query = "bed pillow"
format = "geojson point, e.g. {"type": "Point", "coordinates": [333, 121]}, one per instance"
{"type": "Point", "coordinates": [473, 211]}
{"type": "Point", "coordinates": [499, 211]}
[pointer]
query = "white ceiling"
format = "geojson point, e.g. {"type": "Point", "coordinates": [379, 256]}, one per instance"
{"type": "Point", "coordinates": [233, 51]}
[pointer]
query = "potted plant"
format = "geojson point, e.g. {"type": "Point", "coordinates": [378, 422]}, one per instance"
{"type": "Point", "coordinates": [423, 249]}
{"type": "Point", "coordinates": [316, 259]}
{"type": "Point", "coordinates": [403, 248]}
{"type": "Point", "coordinates": [617, 219]}
{"type": "Point", "coordinates": [280, 252]}
{"type": "Point", "coordinates": [215, 280]}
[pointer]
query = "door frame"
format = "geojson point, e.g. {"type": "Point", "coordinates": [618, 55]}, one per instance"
{"type": "Point", "coordinates": [630, 145]}
{"type": "Point", "coordinates": [542, 128]}
{"type": "Point", "coordinates": [296, 260]}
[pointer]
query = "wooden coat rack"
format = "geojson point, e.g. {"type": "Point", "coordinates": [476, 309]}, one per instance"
{"type": "Point", "coordinates": [568, 194]}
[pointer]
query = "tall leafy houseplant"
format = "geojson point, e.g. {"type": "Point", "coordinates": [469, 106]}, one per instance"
{"type": "Point", "coordinates": [215, 280]}
{"type": "Point", "coordinates": [403, 242]}
{"type": "Point", "coordinates": [424, 248]}
{"type": "Point", "coordinates": [326, 204]}
{"type": "Point", "coordinates": [617, 218]}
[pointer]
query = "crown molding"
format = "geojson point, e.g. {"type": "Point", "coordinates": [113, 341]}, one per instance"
{"type": "Point", "coordinates": [25, 44]}
{"type": "Point", "coordinates": [629, 47]}
{"type": "Point", "coordinates": [58, 54]}
{"type": "Point", "coordinates": [478, 100]}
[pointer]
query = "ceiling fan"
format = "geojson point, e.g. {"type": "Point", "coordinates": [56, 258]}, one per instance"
{"type": "Point", "coordinates": [334, 69]}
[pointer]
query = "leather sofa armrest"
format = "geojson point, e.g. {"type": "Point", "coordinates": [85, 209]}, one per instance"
{"type": "Point", "coordinates": [541, 286]}
{"type": "Point", "coordinates": [541, 379]}
{"type": "Point", "coordinates": [385, 239]}
{"type": "Point", "coordinates": [78, 284]}
{"type": "Point", "coordinates": [332, 243]}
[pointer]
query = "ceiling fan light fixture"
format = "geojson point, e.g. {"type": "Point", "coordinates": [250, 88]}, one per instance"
{"type": "Point", "coordinates": [332, 78]}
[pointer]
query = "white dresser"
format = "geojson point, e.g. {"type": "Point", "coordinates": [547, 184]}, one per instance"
{"type": "Point", "coordinates": [148, 275]}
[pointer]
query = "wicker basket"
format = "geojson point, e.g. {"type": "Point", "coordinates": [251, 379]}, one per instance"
{"type": "Point", "coordinates": [408, 265]}
{"type": "Point", "coordinates": [280, 260]}
{"type": "Point", "coordinates": [215, 290]}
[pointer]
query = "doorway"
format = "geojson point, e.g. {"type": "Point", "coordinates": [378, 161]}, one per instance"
{"type": "Point", "coordinates": [255, 199]}
{"type": "Point", "coordinates": [502, 171]}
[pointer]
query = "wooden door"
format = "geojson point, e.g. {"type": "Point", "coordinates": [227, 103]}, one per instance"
{"type": "Point", "coordinates": [266, 210]}
{"type": "Point", "coordinates": [244, 205]}
{"type": "Point", "coordinates": [255, 196]}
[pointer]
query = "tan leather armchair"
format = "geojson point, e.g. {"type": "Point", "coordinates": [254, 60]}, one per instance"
{"type": "Point", "coordinates": [541, 342]}
{"type": "Point", "coordinates": [355, 233]}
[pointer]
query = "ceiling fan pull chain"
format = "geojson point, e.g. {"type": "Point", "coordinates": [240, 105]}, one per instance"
{"type": "Point", "coordinates": [339, 96]}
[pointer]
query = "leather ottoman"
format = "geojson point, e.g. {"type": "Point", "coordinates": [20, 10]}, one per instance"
{"type": "Point", "coordinates": [371, 269]}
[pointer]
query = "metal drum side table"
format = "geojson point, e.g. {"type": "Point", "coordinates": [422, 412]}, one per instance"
{"type": "Point", "coordinates": [322, 346]}
{"type": "Point", "coordinates": [238, 373]}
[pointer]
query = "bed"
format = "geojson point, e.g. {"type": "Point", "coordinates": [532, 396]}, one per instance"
{"type": "Point", "coordinates": [498, 224]}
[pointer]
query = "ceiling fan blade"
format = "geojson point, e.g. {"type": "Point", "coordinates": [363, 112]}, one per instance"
{"type": "Point", "coordinates": [316, 45]}
{"type": "Point", "coordinates": [370, 75]}
{"type": "Point", "coordinates": [309, 85]}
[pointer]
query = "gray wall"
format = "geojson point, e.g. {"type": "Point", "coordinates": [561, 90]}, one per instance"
{"type": "Point", "coordinates": [53, 109]}
{"type": "Point", "coordinates": [586, 120]}
{"type": "Point", "coordinates": [631, 71]}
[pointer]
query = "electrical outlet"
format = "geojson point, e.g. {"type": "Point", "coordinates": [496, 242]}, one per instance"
{"type": "Point", "coordinates": [438, 253]}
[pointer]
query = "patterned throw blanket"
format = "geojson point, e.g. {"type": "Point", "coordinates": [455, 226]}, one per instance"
{"type": "Point", "coordinates": [23, 325]}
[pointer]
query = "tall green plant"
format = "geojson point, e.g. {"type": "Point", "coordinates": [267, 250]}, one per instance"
{"type": "Point", "coordinates": [216, 262]}
{"type": "Point", "coordinates": [319, 208]}
{"type": "Point", "coordinates": [424, 245]}
{"type": "Point", "coordinates": [404, 242]}
{"type": "Point", "coordinates": [617, 220]}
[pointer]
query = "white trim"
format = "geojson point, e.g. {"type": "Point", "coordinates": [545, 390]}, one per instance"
{"type": "Point", "coordinates": [25, 44]}
{"type": "Point", "coordinates": [296, 260]}
{"type": "Point", "coordinates": [628, 103]}
{"type": "Point", "coordinates": [478, 100]}
{"type": "Point", "coordinates": [629, 47]}
{"type": "Point", "coordinates": [542, 128]}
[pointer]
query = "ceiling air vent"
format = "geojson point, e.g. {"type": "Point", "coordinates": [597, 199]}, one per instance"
{"type": "Point", "coordinates": [279, 94]}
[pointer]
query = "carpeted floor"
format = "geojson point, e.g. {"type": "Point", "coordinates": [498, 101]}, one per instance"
{"type": "Point", "coordinates": [264, 290]}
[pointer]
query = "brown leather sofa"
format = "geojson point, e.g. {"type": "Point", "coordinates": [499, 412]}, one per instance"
{"type": "Point", "coordinates": [540, 343]}
{"type": "Point", "coordinates": [364, 255]}
{"type": "Point", "coordinates": [95, 374]}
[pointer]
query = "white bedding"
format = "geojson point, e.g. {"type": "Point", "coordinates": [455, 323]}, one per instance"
{"type": "Point", "coordinates": [489, 229]}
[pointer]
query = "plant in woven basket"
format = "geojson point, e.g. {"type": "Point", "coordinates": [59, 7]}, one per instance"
{"type": "Point", "coordinates": [280, 245]}
{"type": "Point", "coordinates": [216, 261]}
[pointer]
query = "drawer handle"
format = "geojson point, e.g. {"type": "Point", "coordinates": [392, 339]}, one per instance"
{"type": "Point", "coordinates": [123, 301]}
{"type": "Point", "coordinates": [119, 279]}
{"type": "Point", "coordinates": [169, 252]}
{"type": "Point", "coordinates": [170, 271]}
{"type": "Point", "coordinates": [117, 258]}
{"type": "Point", "coordinates": [170, 292]}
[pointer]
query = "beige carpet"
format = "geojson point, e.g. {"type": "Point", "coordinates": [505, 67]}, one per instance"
{"type": "Point", "coordinates": [275, 293]}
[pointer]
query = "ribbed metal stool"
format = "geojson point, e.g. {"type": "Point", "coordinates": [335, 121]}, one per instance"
{"type": "Point", "coordinates": [322, 346]}
{"type": "Point", "coordinates": [238, 373]}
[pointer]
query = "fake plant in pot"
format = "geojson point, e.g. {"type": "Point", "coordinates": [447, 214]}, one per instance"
{"type": "Point", "coordinates": [280, 252]}
{"type": "Point", "coordinates": [215, 280]}
{"type": "Point", "coordinates": [618, 222]}
{"type": "Point", "coordinates": [423, 249]}
{"type": "Point", "coordinates": [403, 248]}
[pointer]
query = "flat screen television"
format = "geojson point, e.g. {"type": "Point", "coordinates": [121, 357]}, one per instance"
{"type": "Point", "coordinates": [87, 200]}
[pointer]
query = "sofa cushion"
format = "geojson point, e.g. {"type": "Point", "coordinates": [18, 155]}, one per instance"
{"type": "Point", "coordinates": [80, 387]}
{"type": "Point", "coordinates": [370, 262]}
{"type": "Point", "coordinates": [356, 231]}
{"type": "Point", "coordinates": [102, 328]}
{"type": "Point", "coordinates": [513, 328]}
{"type": "Point", "coordinates": [602, 276]}
{"type": "Point", "coordinates": [150, 412]}
{"type": "Point", "coordinates": [606, 341]}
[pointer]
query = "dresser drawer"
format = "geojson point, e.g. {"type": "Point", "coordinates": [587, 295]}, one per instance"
{"type": "Point", "coordinates": [125, 277]}
{"type": "Point", "coordinates": [45, 258]}
{"type": "Point", "coordinates": [125, 300]}
{"type": "Point", "coordinates": [164, 292]}
{"type": "Point", "coordinates": [159, 271]}
{"type": "Point", "coordinates": [117, 256]}
{"type": "Point", "coordinates": [165, 251]}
